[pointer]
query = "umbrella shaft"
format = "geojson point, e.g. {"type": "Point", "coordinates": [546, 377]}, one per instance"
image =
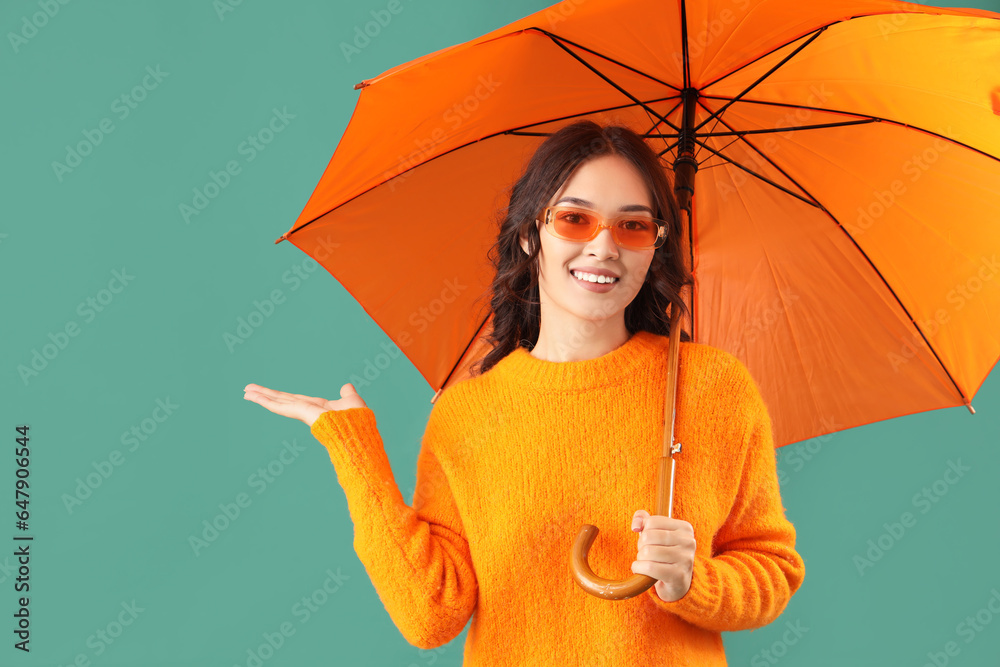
{"type": "Point", "coordinates": [665, 487]}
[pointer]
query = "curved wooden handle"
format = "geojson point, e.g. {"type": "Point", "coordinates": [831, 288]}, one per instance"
{"type": "Point", "coordinates": [599, 586]}
{"type": "Point", "coordinates": [610, 589]}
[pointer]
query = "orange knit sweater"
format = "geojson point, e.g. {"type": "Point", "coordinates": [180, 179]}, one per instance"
{"type": "Point", "coordinates": [513, 463]}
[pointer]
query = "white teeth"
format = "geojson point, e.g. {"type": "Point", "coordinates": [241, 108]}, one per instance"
{"type": "Point", "coordinates": [591, 278]}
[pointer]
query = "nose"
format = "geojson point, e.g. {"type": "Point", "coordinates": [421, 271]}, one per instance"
{"type": "Point", "coordinates": [602, 245]}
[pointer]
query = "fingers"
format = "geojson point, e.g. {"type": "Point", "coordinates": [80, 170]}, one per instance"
{"type": "Point", "coordinates": [283, 404]}
{"type": "Point", "coordinates": [276, 397]}
{"type": "Point", "coordinates": [664, 553]}
{"type": "Point", "coordinates": [276, 401]}
{"type": "Point", "coordinates": [657, 568]}
{"type": "Point", "coordinates": [639, 520]}
{"type": "Point", "coordinates": [274, 394]}
{"type": "Point", "coordinates": [269, 401]}
{"type": "Point", "coordinates": [270, 394]}
{"type": "Point", "coordinates": [644, 520]}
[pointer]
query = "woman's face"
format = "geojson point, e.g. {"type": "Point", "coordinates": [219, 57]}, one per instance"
{"type": "Point", "coordinates": [610, 185]}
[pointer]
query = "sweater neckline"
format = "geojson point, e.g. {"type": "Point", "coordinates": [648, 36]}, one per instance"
{"type": "Point", "coordinates": [611, 368]}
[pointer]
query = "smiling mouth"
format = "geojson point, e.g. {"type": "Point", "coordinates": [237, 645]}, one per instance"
{"type": "Point", "coordinates": [591, 278]}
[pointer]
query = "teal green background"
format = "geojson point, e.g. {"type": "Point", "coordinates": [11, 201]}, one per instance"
{"type": "Point", "coordinates": [161, 338]}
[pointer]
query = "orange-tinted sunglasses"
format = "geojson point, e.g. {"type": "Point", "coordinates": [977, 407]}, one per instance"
{"type": "Point", "coordinates": [629, 230]}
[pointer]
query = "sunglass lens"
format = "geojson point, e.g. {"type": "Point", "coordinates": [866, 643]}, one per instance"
{"type": "Point", "coordinates": [637, 233]}
{"type": "Point", "coordinates": [574, 225]}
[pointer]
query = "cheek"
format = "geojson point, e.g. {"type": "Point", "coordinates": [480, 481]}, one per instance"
{"type": "Point", "coordinates": [638, 272]}
{"type": "Point", "coordinates": [555, 259]}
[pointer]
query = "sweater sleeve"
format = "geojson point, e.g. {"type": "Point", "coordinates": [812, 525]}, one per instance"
{"type": "Point", "coordinates": [417, 557]}
{"type": "Point", "coordinates": [754, 569]}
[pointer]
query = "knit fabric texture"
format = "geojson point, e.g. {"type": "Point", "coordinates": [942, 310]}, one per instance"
{"type": "Point", "coordinates": [513, 462]}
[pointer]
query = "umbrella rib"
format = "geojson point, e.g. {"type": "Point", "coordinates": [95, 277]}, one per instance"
{"type": "Point", "coordinates": [559, 38]}
{"type": "Point", "coordinates": [517, 130]}
{"type": "Point", "coordinates": [878, 119]}
{"type": "Point", "coordinates": [769, 160]}
{"type": "Point", "coordinates": [737, 138]}
{"type": "Point", "coordinates": [796, 106]}
{"type": "Point", "coordinates": [858, 247]}
{"type": "Point", "coordinates": [648, 134]}
{"type": "Point", "coordinates": [684, 46]}
{"type": "Point", "coordinates": [765, 55]}
{"type": "Point", "coordinates": [792, 128]}
{"type": "Point", "coordinates": [783, 129]}
{"type": "Point", "coordinates": [464, 352]}
{"type": "Point", "coordinates": [761, 177]}
{"type": "Point", "coordinates": [711, 166]}
{"type": "Point", "coordinates": [616, 86]}
{"type": "Point", "coordinates": [781, 46]}
{"type": "Point", "coordinates": [762, 77]}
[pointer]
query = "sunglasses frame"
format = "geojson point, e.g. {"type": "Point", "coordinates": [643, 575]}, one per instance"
{"type": "Point", "coordinates": [548, 216]}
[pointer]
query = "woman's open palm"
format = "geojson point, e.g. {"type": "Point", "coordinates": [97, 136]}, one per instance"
{"type": "Point", "coordinates": [306, 409]}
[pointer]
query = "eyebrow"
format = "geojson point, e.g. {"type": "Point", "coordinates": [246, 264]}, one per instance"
{"type": "Point", "coordinates": [624, 209]}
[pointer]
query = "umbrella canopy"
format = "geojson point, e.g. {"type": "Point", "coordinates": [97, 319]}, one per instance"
{"type": "Point", "coordinates": [843, 232]}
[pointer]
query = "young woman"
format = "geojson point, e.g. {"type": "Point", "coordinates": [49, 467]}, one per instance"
{"type": "Point", "coordinates": [561, 425]}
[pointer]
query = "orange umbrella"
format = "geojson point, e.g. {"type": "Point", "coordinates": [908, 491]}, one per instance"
{"type": "Point", "coordinates": [838, 163]}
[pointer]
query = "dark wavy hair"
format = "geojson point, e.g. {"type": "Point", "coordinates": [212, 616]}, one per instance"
{"type": "Point", "coordinates": [514, 292]}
